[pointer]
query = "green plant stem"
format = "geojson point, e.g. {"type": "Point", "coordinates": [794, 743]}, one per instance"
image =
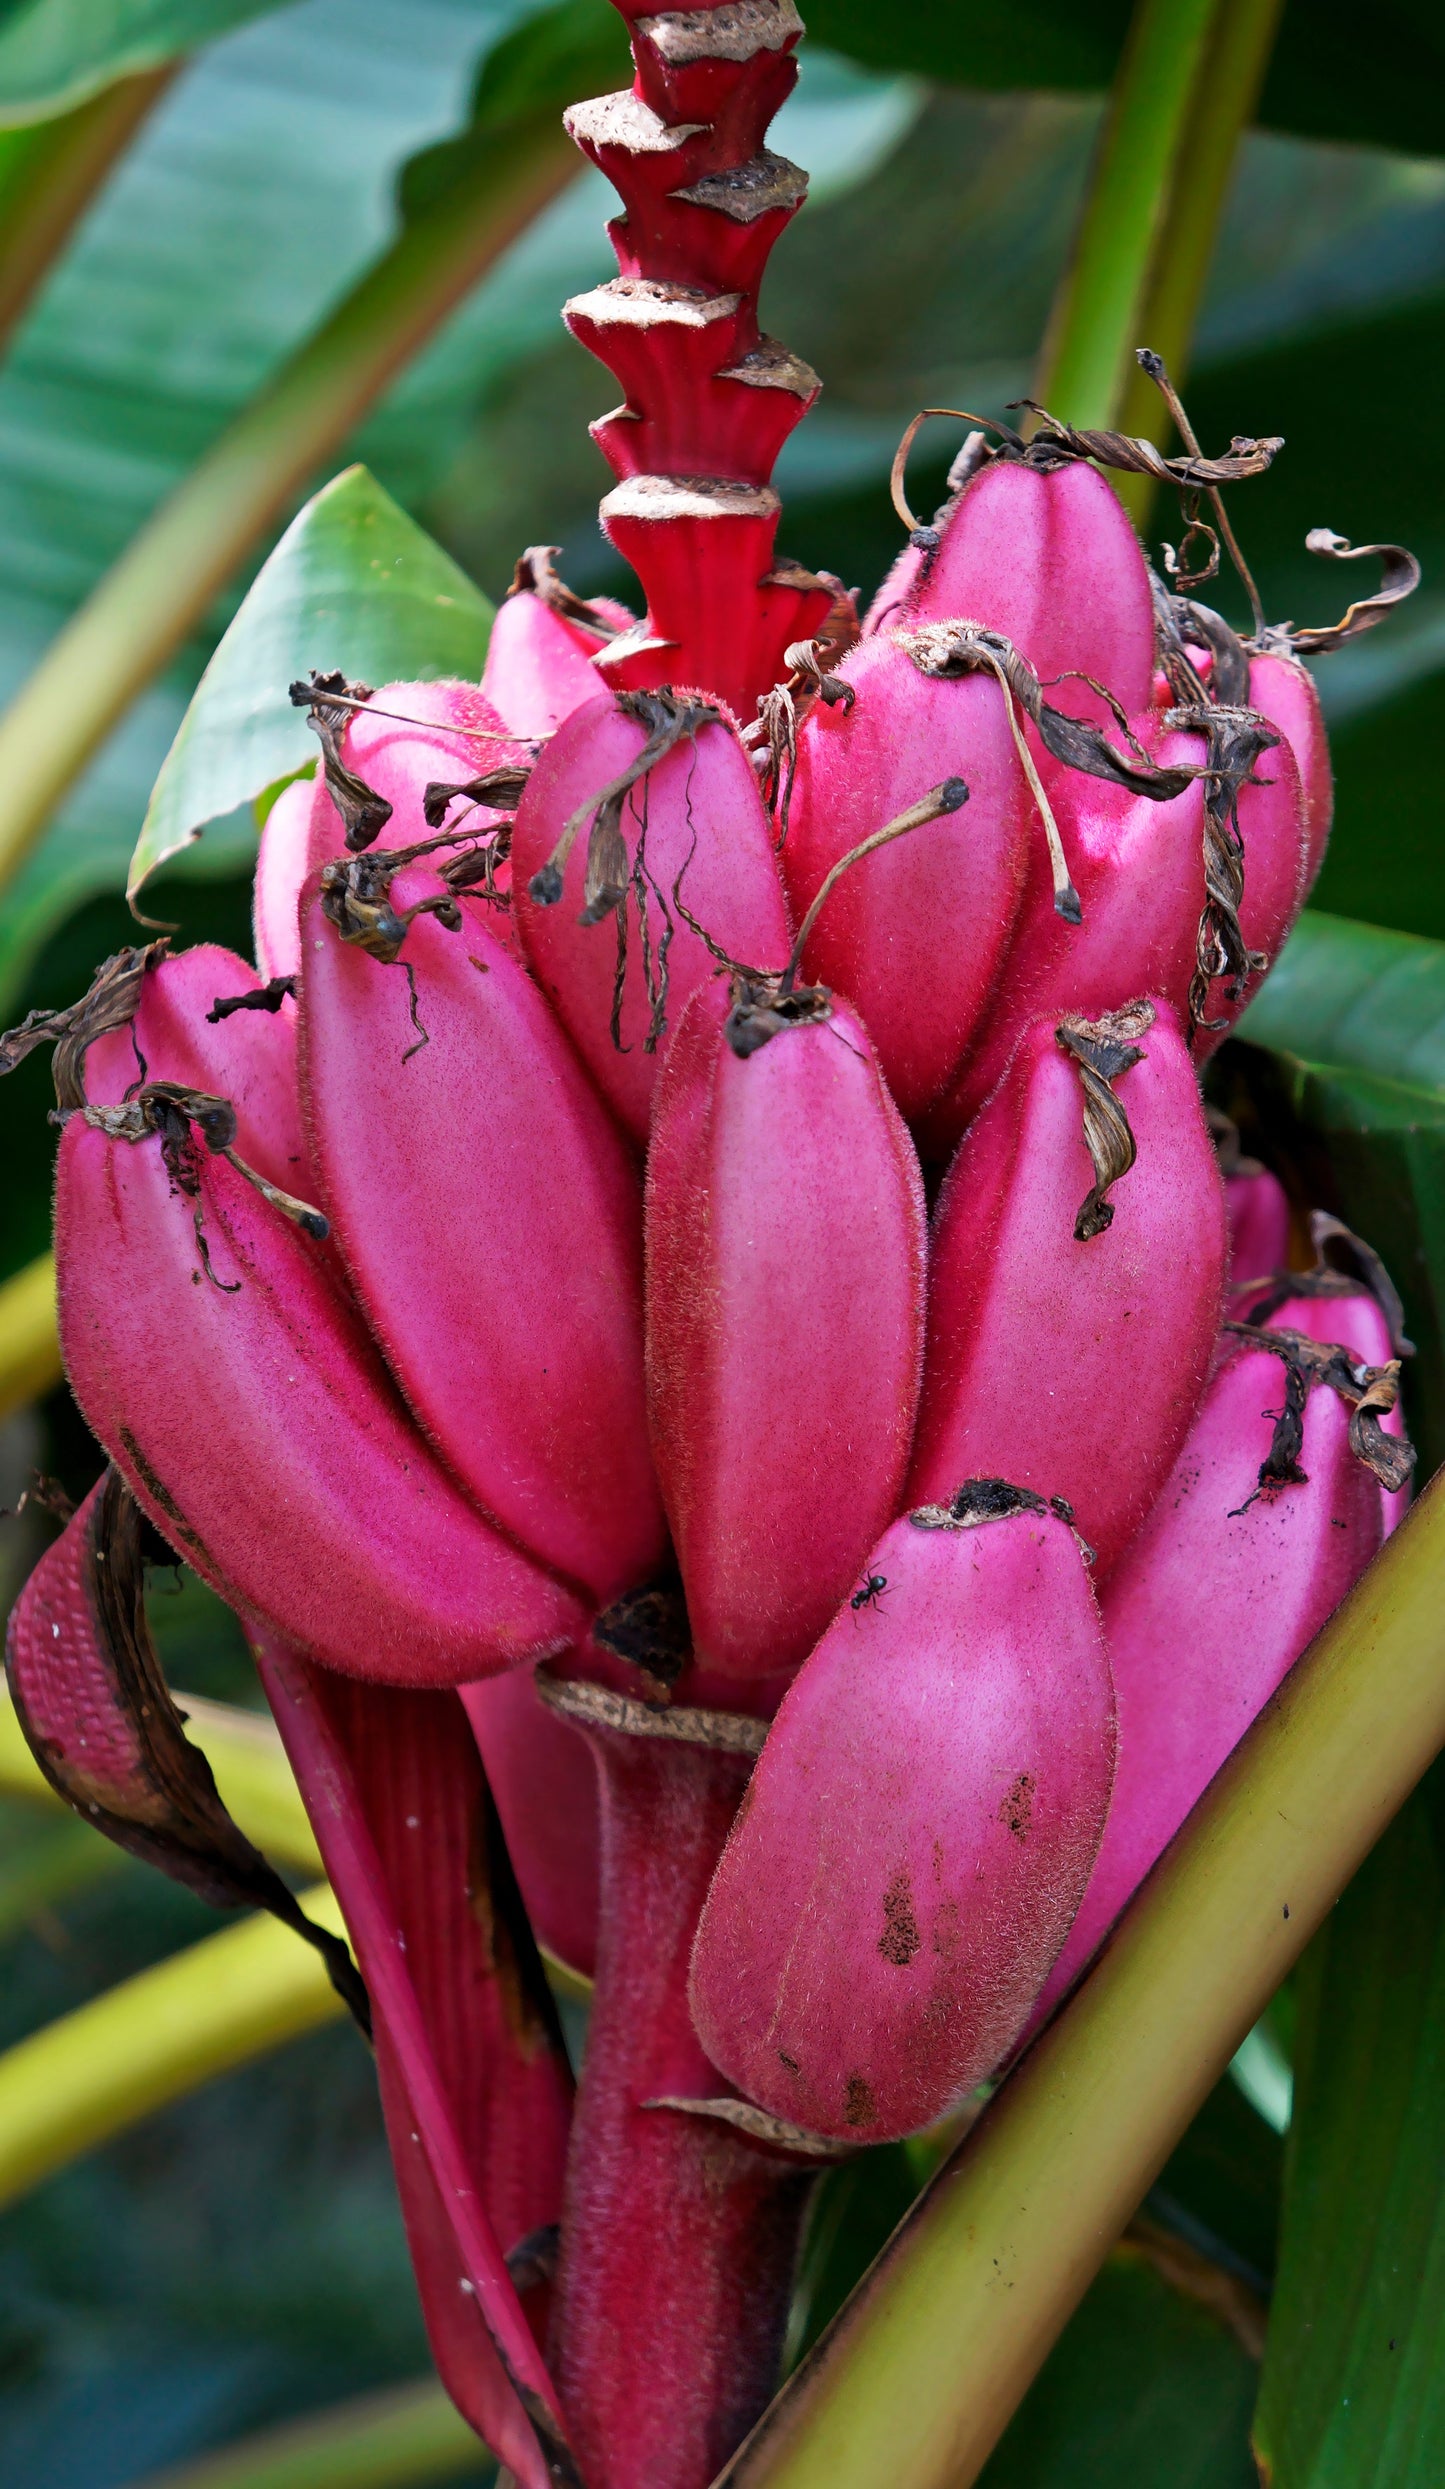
{"type": "Point", "coordinates": [1240, 44]}
{"type": "Point", "coordinates": [162, 584]}
{"type": "Point", "coordinates": [156, 2037]}
{"type": "Point", "coordinates": [1094, 325]}
{"type": "Point", "coordinates": [29, 1347]}
{"type": "Point", "coordinates": [921, 2372]}
{"type": "Point", "coordinates": [382, 2441]}
{"type": "Point", "coordinates": [49, 173]}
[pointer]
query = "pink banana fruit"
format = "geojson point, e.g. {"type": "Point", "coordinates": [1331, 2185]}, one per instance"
{"type": "Point", "coordinates": [540, 657]}
{"type": "Point", "coordinates": [919, 1829]}
{"type": "Point", "coordinates": [914, 934]}
{"type": "Point", "coordinates": [1139, 868]}
{"type": "Point", "coordinates": [785, 1278]}
{"type": "Point", "coordinates": [233, 1383]}
{"type": "Point", "coordinates": [1069, 1334]}
{"type": "Point", "coordinates": [1051, 561]}
{"type": "Point", "coordinates": [688, 833]}
{"type": "Point", "coordinates": [384, 754]}
{"type": "Point", "coordinates": [483, 1198]}
{"type": "Point", "coordinates": [1224, 1587]}
{"type": "Point", "coordinates": [1258, 1226]}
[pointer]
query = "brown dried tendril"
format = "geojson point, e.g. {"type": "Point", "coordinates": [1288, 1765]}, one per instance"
{"type": "Point", "coordinates": [1103, 1049]}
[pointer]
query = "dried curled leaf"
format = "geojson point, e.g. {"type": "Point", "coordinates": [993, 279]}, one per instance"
{"type": "Point", "coordinates": [1056, 442]}
{"type": "Point", "coordinates": [110, 1003]}
{"type": "Point", "coordinates": [1369, 1392]}
{"type": "Point", "coordinates": [267, 997]}
{"type": "Point", "coordinates": [1181, 623]}
{"type": "Point", "coordinates": [165, 1110]}
{"type": "Point", "coordinates": [1335, 1244]}
{"type": "Point", "coordinates": [1103, 1049]}
{"type": "Point", "coordinates": [597, 1707]}
{"type": "Point", "coordinates": [1234, 740]}
{"type": "Point", "coordinates": [328, 700]}
{"type": "Point", "coordinates": [778, 2132]}
{"type": "Point", "coordinates": [98, 1717]}
{"type": "Point", "coordinates": [1401, 579]}
{"type": "Point", "coordinates": [536, 575]}
{"type": "Point", "coordinates": [501, 790]}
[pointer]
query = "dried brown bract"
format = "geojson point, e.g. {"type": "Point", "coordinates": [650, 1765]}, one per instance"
{"type": "Point", "coordinates": [329, 700]}
{"type": "Point", "coordinates": [1102, 1049]}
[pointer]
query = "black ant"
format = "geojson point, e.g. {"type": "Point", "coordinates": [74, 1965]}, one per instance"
{"type": "Point", "coordinates": [869, 1591]}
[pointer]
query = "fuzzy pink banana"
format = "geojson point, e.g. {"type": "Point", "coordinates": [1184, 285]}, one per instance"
{"type": "Point", "coordinates": [691, 829]}
{"type": "Point", "coordinates": [236, 1389]}
{"type": "Point", "coordinates": [1258, 1209]}
{"type": "Point", "coordinates": [398, 743]}
{"type": "Point", "coordinates": [1138, 867]}
{"type": "Point", "coordinates": [785, 1274]}
{"type": "Point", "coordinates": [1073, 1363]}
{"type": "Point", "coordinates": [540, 656]}
{"type": "Point", "coordinates": [482, 1197]}
{"type": "Point", "coordinates": [920, 1827]}
{"type": "Point", "coordinates": [1220, 1593]}
{"type": "Point", "coordinates": [1050, 560]}
{"type": "Point", "coordinates": [1284, 691]}
{"type": "Point", "coordinates": [914, 935]}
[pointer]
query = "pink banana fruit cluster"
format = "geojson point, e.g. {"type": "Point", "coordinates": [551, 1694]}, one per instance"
{"type": "Point", "coordinates": [706, 1247]}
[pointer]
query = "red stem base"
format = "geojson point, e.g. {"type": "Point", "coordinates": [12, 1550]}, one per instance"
{"type": "Point", "coordinates": [680, 2234]}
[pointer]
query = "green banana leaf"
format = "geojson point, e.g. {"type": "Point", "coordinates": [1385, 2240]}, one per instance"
{"type": "Point", "coordinates": [1344, 1059]}
{"type": "Point", "coordinates": [353, 584]}
{"type": "Point", "coordinates": [1342, 1056]}
{"type": "Point", "coordinates": [55, 53]}
{"type": "Point", "coordinates": [1353, 2389]}
{"type": "Point", "coordinates": [1376, 78]}
{"type": "Point", "coordinates": [253, 198]}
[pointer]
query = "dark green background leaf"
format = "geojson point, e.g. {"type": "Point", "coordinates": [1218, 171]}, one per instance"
{"type": "Point", "coordinates": [1353, 2392]}
{"type": "Point", "coordinates": [1378, 77]}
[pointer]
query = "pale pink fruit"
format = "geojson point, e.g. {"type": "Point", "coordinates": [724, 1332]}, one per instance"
{"type": "Point", "coordinates": [1284, 691]}
{"type": "Point", "coordinates": [488, 1212]}
{"type": "Point", "coordinates": [539, 662]}
{"type": "Point", "coordinates": [693, 827]}
{"type": "Point", "coordinates": [1052, 562]}
{"type": "Point", "coordinates": [785, 1274]}
{"type": "Point", "coordinates": [1222, 1590]}
{"type": "Point", "coordinates": [919, 1829]}
{"type": "Point", "coordinates": [237, 1390]}
{"type": "Point", "coordinates": [914, 935]}
{"type": "Point", "coordinates": [1258, 1226]}
{"type": "Point", "coordinates": [1074, 1364]}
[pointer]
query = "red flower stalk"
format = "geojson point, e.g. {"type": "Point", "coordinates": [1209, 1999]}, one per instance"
{"type": "Point", "coordinates": [522, 1288]}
